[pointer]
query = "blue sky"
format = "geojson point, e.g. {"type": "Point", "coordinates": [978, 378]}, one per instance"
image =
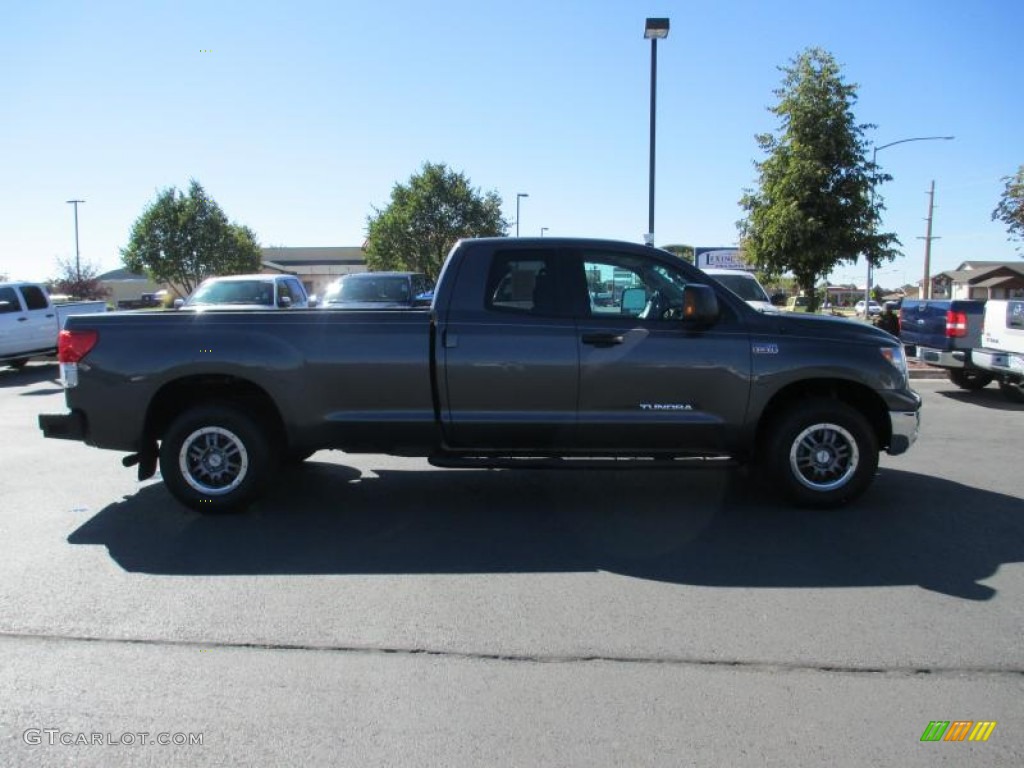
{"type": "Point", "coordinates": [299, 118]}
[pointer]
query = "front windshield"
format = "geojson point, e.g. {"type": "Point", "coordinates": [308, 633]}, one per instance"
{"type": "Point", "coordinates": [744, 286]}
{"type": "Point", "coordinates": [390, 289]}
{"type": "Point", "coordinates": [234, 292]}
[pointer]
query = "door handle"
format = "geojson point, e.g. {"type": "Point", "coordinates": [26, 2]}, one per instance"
{"type": "Point", "coordinates": [603, 339]}
{"type": "Point", "coordinates": [22, 319]}
{"type": "Point", "coordinates": [49, 315]}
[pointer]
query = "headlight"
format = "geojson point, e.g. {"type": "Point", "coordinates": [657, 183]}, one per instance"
{"type": "Point", "coordinates": [898, 358]}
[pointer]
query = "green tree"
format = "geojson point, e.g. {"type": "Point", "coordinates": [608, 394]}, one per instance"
{"type": "Point", "coordinates": [425, 217]}
{"type": "Point", "coordinates": [1010, 210]}
{"type": "Point", "coordinates": [82, 282]}
{"type": "Point", "coordinates": [183, 239]}
{"type": "Point", "coordinates": [684, 252]}
{"type": "Point", "coordinates": [814, 208]}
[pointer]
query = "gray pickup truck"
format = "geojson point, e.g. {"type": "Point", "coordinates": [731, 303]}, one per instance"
{"type": "Point", "coordinates": [535, 352]}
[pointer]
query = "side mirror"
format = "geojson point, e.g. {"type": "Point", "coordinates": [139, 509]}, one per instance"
{"type": "Point", "coordinates": [284, 302]}
{"type": "Point", "coordinates": [778, 299]}
{"type": "Point", "coordinates": [179, 303]}
{"type": "Point", "coordinates": [633, 301]}
{"type": "Point", "coordinates": [700, 304]}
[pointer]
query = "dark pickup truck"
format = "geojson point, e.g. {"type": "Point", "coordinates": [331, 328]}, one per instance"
{"type": "Point", "coordinates": [515, 364]}
{"type": "Point", "coordinates": [942, 334]}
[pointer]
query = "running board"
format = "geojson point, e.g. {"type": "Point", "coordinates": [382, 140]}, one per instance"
{"type": "Point", "coordinates": [447, 461]}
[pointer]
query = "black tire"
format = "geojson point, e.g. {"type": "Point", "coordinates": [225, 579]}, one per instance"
{"type": "Point", "coordinates": [214, 458]}
{"type": "Point", "coordinates": [1014, 392]}
{"type": "Point", "coordinates": [970, 379]}
{"type": "Point", "coordinates": [18, 364]}
{"type": "Point", "coordinates": [821, 453]}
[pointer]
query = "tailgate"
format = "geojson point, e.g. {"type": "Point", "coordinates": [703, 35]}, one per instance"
{"type": "Point", "coordinates": [924, 325]}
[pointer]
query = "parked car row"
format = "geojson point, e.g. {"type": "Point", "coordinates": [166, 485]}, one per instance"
{"type": "Point", "coordinates": [975, 342]}
{"type": "Point", "coordinates": [360, 290]}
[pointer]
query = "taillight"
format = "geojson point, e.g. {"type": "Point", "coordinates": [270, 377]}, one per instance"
{"type": "Point", "coordinates": [956, 324]}
{"type": "Point", "coordinates": [72, 346]}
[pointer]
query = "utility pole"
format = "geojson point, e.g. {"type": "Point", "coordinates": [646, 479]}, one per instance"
{"type": "Point", "coordinates": [78, 264]}
{"type": "Point", "coordinates": [926, 286]}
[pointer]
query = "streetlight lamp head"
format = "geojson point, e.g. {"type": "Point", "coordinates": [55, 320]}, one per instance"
{"type": "Point", "coordinates": [656, 29]}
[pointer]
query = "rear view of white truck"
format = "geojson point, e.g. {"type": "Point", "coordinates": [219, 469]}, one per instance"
{"type": "Point", "coordinates": [1002, 351]}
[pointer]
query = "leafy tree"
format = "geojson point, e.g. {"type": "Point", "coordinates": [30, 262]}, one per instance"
{"type": "Point", "coordinates": [81, 281]}
{"type": "Point", "coordinates": [425, 217]}
{"type": "Point", "coordinates": [814, 208]}
{"type": "Point", "coordinates": [182, 239]}
{"type": "Point", "coordinates": [1010, 210]}
{"type": "Point", "coordinates": [684, 252]}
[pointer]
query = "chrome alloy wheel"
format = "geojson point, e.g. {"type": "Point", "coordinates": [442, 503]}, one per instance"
{"type": "Point", "coordinates": [213, 460]}
{"type": "Point", "coordinates": [824, 457]}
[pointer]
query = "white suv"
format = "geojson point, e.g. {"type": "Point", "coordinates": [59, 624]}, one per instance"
{"type": "Point", "coordinates": [744, 285]}
{"type": "Point", "coordinates": [247, 292]}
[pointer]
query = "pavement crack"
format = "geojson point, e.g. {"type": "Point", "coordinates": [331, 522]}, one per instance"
{"type": "Point", "coordinates": [752, 665]}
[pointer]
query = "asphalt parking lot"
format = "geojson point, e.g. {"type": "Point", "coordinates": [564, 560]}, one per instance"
{"type": "Point", "coordinates": [376, 611]}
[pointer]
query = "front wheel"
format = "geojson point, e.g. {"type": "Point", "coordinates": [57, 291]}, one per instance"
{"type": "Point", "coordinates": [822, 453]}
{"type": "Point", "coordinates": [970, 379]}
{"type": "Point", "coordinates": [215, 458]}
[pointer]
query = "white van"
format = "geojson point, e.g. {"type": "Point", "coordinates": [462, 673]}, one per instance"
{"type": "Point", "coordinates": [744, 285]}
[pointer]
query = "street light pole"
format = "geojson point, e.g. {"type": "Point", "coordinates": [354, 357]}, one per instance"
{"type": "Point", "coordinates": [78, 265]}
{"type": "Point", "coordinates": [654, 29]}
{"type": "Point", "coordinates": [519, 196]}
{"type": "Point", "coordinates": [543, 230]}
{"type": "Point", "coordinates": [874, 155]}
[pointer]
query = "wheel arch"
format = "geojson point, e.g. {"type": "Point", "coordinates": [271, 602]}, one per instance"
{"type": "Point", "coordinates": [856, 395]}
{"type": "Point", "coordinates": [177, 396]}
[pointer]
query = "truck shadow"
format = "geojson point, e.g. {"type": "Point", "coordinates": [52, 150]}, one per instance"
{"type": "Point", "coordinates": [701, 527]}
{"type": "Point", "coordinates": [989, 397]}
{"type": "Point", "coordinates": [35, 372]}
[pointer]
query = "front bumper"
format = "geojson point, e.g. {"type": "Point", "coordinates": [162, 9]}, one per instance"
{"type": "Point", "coordinates": [63, 426]}
{"type": "Point", "coordinates": [905, 427]}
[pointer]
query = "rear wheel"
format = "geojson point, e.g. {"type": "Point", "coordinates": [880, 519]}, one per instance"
{"type": "Point", "coordinates": [967, 378]}
{"type": "Point", "coordinates": [822, 453]}
{"type": "Point", "coordinates": [18, 364]}
{"type": "Point", "coordinates": [1012, 391]}
{"type": "Point", "coordinates": [215, 458]}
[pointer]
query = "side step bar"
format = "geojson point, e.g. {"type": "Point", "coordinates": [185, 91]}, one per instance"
{"type": "Point", "coordinates": [448, 461]}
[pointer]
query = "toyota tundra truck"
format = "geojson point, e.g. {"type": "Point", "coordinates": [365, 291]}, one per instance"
{"type": "Point", "coordinates": [535, 352]}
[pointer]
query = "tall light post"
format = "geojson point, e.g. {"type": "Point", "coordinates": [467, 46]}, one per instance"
{"type": "Point", "coordinates": [519, 196]}
{"type": "Point", "coordinates": [543, 230]}
{"type": "Point", "coordinates": [654, 30]}
{"type": "Point", "coordinates": [874, 155]}
{"type": "Point", "coordinates": [78, 266]}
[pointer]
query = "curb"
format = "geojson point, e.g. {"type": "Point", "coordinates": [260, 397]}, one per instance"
{"type": "Point", "coordinates": [928, 373]}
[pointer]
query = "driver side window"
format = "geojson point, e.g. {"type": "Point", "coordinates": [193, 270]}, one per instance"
{"type": "Point", "coordinates": [621, 284]}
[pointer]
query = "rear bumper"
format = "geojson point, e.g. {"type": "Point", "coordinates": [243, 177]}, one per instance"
{"type": "Point", "coordinates": [999, 362]}
{"type": "Point", "coordinates": [63, 426]}
{"type": "Point", "coordinates": [959, 358]}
